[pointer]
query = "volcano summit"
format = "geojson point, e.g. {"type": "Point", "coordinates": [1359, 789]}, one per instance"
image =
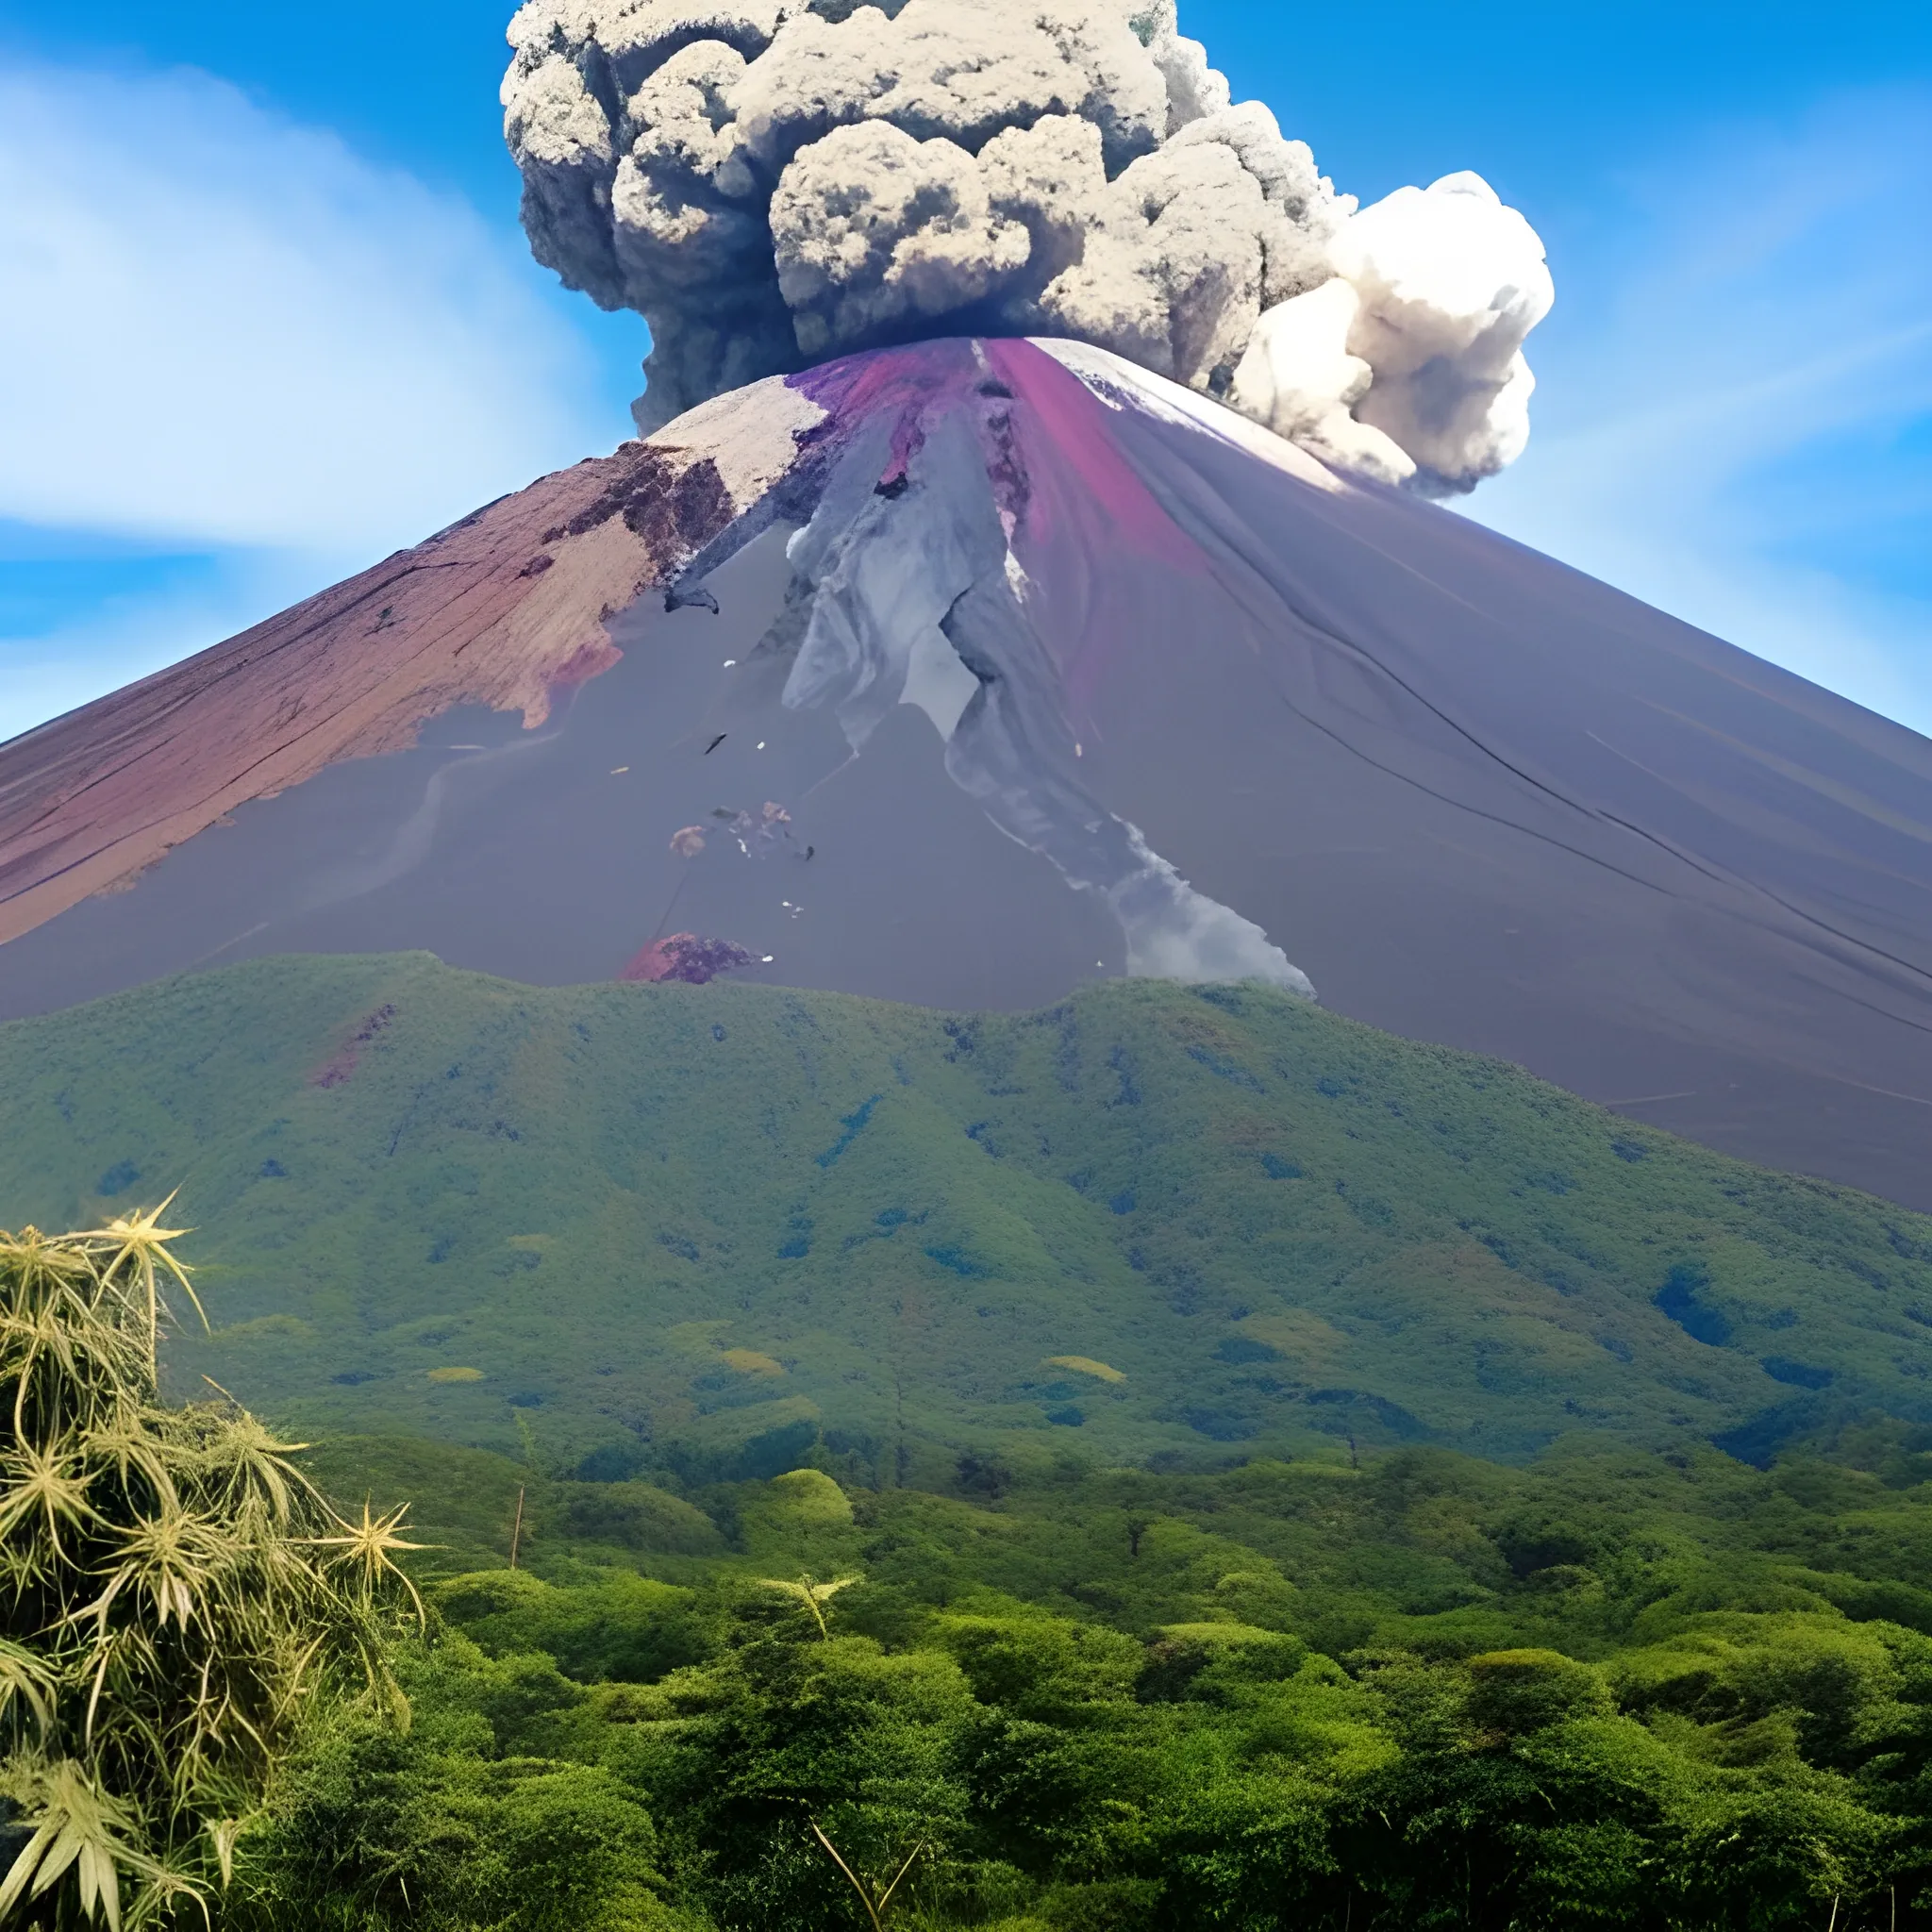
{"type": "Point", "coordinates": [961, 672]}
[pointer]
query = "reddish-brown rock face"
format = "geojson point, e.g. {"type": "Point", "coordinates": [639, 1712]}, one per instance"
{"type": "Point", "coordinates": [685, 957]}
{"type": "Point", "coordinates": [503, 609]}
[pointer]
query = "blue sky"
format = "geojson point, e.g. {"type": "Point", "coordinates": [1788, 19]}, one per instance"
{"type": "Point", "coordinates": [268, 315]}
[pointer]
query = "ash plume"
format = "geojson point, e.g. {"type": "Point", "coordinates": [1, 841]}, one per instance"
{"type": "Point", "coordinates": [774, 182]}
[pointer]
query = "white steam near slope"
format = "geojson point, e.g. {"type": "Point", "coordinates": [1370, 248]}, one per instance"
{"type": "Point", "coordinates": [774, 182]}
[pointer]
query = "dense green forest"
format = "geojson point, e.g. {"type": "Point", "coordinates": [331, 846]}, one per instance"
{"type": "Point", "coordinates": [685, 1232]}
{"type": "Point", "coordinates": [1614, 1688]}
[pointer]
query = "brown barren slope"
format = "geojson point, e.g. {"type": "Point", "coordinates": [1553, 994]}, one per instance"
{"type": "Point", "coordinates": [502, 609]}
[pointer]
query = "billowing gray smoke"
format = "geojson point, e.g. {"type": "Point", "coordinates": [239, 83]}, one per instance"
{"type": "Point", "coordinates": [774, 182]}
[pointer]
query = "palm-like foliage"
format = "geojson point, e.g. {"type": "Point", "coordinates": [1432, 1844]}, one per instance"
{"type": "Point", "coordinates": [172, 1591]}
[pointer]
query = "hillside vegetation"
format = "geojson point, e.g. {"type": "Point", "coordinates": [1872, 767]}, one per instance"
{"type": "Point", "coordinates": [700, 1233]}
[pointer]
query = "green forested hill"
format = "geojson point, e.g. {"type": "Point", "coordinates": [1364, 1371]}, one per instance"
{"type": "Point", "coordinates": [695, 1229]}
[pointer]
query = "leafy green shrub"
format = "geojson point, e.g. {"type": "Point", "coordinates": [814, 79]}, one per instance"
{"type": "Point", "coordinates": [1043, 1668]}
{"type": "Point", "coordinates": [463, 1821]}
{"type": "Point", "coordinates": [1518, 1691]}
{"type": "Point", "coordinates": [637, 1517]}
{"type": "Point", "coordinates": [622, 1626]}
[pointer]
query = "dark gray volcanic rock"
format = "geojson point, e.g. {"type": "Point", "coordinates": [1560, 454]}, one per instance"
{"type": "Point", "coordinates": [1068, 675]}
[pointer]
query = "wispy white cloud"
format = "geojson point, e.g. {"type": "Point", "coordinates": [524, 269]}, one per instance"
{"type": "Point", "coordinates": [219, 325]}
{"type": "Point", "coordinates": [226, 335]}
{"type": "Point", "coordinates": [1732, 422]}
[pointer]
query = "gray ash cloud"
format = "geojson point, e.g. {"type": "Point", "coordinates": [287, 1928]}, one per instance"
{"type": "Point", "coordinates": [774, 182]}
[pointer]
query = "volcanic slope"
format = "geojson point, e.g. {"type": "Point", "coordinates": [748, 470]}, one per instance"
{"type": "Point", "coordinates": [960, 625]}
{"type": "Point", "coordinates": [695, 1229]}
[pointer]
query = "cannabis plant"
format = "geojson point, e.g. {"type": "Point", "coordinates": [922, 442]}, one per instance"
{"type": "Point", "coordinates": [173, 1591]}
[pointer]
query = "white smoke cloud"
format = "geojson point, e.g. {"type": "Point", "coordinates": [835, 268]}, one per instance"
{"type": "Point", "coordinates": [1451, 282]}
{"type": "Point", "coordinates": [774, 182]}
{"type": "Point", "coordinates": [1408, 365]}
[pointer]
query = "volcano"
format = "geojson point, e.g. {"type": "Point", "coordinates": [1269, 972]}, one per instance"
{"type": "Point", "coordinates": [963, 673]}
